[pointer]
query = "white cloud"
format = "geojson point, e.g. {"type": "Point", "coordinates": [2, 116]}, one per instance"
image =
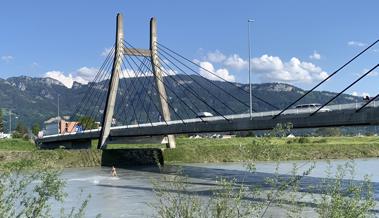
{"type": "Point", "coordinates": [366, 94]}
{"type": "Point", "coordinates": [106, 51]}
{"type": "Point", "coordinates": [129, 73]}
{"type": "Point", "coordinates": [236, 62]}
{"type": "Point", "coordinates": [363, 94]}
{"type": "Point", "coordinates": [273, 69]}
{"type": "Point", "coordinates": [87, 73]}
{"type": "Point", "coordinates": [356, 44]}
{"type": "Point", "coordinates": [268, 68]}
{"type": "Point", "coordinates": [372, 73]}
{"type": "Point", "coordinates": [7, 58]}
{"type": "Point", "coordinates": [83, 75]}
{"type": "Point", "coordinates": [365, 70]}
{"type": "Point", "coordinates": [216, 56]}
{"type": "Point", "coordinates": [222, 72]}
{"type": "Point", "coordinates": [58, 75]}
{"type": "Point", "coordinates": [315, 56]}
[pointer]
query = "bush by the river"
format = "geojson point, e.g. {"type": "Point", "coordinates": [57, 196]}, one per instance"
{"type": "Point", "coordinates": [26, 193]}
{"type": "Point", "coordinates": [337, 196]}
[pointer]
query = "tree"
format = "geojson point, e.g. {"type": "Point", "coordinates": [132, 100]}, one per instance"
{"type": "Point", "coordinates": [21, 132]}
{"type": "Point", "coordinates": [36, 128]}
{"type": "Point", "coordinates": [281, 129]}
{"type": "Point", "coordinates": [87, 123]}
{"type": "Point", "coordinates": [1, 121]}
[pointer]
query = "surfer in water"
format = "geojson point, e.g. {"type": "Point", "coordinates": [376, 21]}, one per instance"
{"type": "Point", "coordinates": [113, 171]}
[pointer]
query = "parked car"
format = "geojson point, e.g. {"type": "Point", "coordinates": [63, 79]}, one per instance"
{"type": "Point", "coordinates": [204, 114]}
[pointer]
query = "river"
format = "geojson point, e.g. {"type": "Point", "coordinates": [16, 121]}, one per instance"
{"type": "Point", "coordinates": [129, 194]}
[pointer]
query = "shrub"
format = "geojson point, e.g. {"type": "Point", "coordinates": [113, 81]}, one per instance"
{"type": "Point", "coordinates": [22, 197]}
{"type": "Point", "coordinates": [339, 198]}
{"type": "Point", "coordinates": [301, 140]}
{"type": "Point", "coordinates": [343, 196]}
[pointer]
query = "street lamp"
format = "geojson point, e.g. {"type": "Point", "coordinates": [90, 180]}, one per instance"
{"type": "Point", "coordinates": [58, 105]}
{"type": "Point", "coordinates": [58, 117]}
{"type": "Point", "coordinates": [250, 95]}
{"type": "Point", "coordinates": [10, 120]}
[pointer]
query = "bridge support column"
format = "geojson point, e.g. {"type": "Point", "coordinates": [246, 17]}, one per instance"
{"type": "Point", "coordinates": [159, 78]}
{"type": "Point", "coordinates": [113, 85]}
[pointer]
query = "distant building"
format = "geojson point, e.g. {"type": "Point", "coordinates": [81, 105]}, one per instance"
{"type": "Point", "coordinates": [5, 136]}
{"type": "Point", "coordinates": [57, 125]}
{"type": "Point", "coordinates": [68, 127]}
{"type": "Point", "coordinates": [52, 126]}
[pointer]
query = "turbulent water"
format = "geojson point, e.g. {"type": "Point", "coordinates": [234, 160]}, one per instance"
{"type": "Point", "coordinates": [130, 194]}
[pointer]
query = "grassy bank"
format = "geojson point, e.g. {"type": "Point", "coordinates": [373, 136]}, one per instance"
{"type": "Point", "coordinates": [261, 149]}
{"type": "Point", "coordinates": [205, 150]}
{"type": "Point", "coordinates": [15, 151]}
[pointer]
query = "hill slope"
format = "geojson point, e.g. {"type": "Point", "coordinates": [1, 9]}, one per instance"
{"type": "Point", "coordinates": [35, 99]}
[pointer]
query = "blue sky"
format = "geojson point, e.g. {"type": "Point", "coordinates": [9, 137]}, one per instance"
{"type": "Point", "coordinates": [297, 42]}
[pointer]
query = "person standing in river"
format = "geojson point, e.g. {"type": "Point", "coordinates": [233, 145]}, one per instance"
{"type": "Point", "coordinates": [113, 171]}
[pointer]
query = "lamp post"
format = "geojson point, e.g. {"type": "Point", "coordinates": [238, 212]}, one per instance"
{"type": "Point", "coordinates": [10, 121]}
{"type": "Point", "coordinates": [249, 46]}
{"type": "Point", "coordinates": [58, 104]}
{"type": "Point", "coordinates": [58, 117]}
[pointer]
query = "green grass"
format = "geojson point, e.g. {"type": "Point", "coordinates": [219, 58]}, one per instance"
{"type": "Point", "coordinates": [261, 149]}
{"type": "Point", "coordinates": [14, 151]}
{"type": "Point", "coordinates": [207, 150]}
{"type": "Point", "coordinates": [16, 145]}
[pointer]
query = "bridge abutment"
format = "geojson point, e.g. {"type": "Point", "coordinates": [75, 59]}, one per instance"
{"type": "Point", "coordinates": [123, 158]}
{"type": "Point", "coordinates": [73, 144]}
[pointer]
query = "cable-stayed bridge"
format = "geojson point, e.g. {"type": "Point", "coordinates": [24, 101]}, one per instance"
{"type": "Point", "coordinates": [148, 106]}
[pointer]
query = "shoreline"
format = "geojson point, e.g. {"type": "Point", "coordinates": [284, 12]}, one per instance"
{"type": "Point", "coordinates": [205, 151]}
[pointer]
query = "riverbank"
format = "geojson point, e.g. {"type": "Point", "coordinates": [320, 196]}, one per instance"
{"type": "Point", "coordinates": [204, 151]}
{"type": "Point", "coordinates": [267, 149]}
{"type": "Point", "coordinates": [16, 151]}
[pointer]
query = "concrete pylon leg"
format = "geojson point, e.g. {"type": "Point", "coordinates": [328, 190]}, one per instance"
{"type": "Point", "coordinates": [113, 85]}
{"type": "Point", "coordinates": [159, 78]}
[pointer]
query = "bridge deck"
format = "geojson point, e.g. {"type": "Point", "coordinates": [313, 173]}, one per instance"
{"type": "Point", "coordinates": [337, 115]}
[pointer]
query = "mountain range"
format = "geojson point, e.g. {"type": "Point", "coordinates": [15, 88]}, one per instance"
{"type": "Point", "coordinates": [34, 100]}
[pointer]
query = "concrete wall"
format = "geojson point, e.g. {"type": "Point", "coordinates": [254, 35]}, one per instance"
{"type": "Point", "coordinates": [74, 144]}
{"type": "Point", "coordinates": [123, 158]}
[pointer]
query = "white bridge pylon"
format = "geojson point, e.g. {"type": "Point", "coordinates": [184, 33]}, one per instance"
{"type": "Point", "coordinates": [115, 77]}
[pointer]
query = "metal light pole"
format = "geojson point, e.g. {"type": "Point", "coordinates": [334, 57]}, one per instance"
{"type": "Point", "coordinates": [58, 117]}
{"type": "Point", "coordinates": [58, 105]}
{"type": "Point", "coordinates": [250, 95]}
{"type": "Point", "coordinates": [10, 121]}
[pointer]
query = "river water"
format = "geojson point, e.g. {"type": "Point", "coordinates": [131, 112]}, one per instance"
{"type": "Point", "coordinates": [130, 194]}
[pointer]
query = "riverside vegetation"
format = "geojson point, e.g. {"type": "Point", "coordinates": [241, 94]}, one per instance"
{"type": "Point", "coordinates": [337, 196]}
{"type": "Point", "coordinates": [31, 193]}
{"type": "Point", "coordinates": [207, 150]}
